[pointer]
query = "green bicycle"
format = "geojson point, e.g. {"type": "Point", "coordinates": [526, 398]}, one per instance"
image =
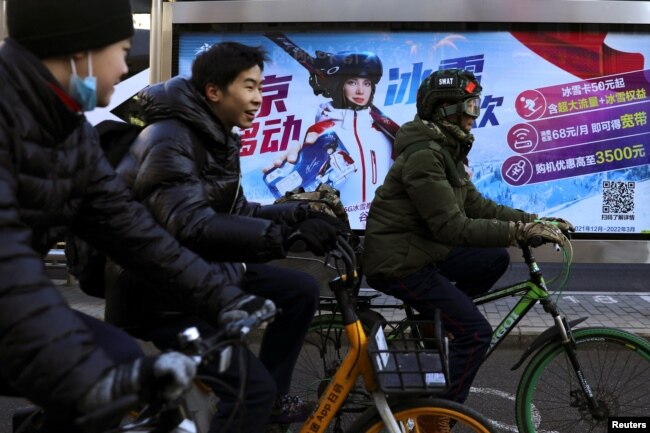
{"type": "Point", "coordinates": [574, 380]}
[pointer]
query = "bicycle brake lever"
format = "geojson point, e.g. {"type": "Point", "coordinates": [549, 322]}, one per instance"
{"type": "Point", "coordinates": [336, 253]}
{"type": "Point", "coordinates": [347, 256]}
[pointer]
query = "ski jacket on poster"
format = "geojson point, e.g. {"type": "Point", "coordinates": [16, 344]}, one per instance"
{"type": "Point", "coordinates": [427, 205]}
{"type": "Point", "coordinates": [185, 168]}
{"type": "Point", "coordinates": [368, 147]}
{"type": "Point", "coordinates": [54, 179]}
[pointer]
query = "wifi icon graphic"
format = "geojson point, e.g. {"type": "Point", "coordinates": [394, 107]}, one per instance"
{"type": "Point", "coordinates": [522, 138]}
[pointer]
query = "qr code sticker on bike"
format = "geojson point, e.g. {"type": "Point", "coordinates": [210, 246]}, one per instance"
{"type": "Point", "coordinates": [618, 197]}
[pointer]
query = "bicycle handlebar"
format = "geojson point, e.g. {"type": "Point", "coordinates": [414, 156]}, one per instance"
{"type": "Point", "coordinates": [201, 349]}
{"type": "Point", "coordinates": [193, 345]}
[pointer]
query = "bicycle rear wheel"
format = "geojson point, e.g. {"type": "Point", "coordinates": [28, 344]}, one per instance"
{"type": "Point", "coordinates": [423, 416]}
{"type": "Point", "coordinates": [616, 365]}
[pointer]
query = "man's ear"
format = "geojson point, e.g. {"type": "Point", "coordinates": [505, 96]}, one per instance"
{"type": "Point", "coordinates": [213, 92]}
{"type": "Point", "coordinates": [80, 60]}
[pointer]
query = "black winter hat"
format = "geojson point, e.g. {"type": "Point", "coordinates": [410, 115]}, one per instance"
{"type": "Point", "coordinates": [51, 28]}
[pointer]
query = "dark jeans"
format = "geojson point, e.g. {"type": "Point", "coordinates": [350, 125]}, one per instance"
{"type": "Point", "coordinates": [117, 344]}
{"type": "Point", "coordinates": [296, 294]}
{"type": "Point", "coordinates": [474, 271]}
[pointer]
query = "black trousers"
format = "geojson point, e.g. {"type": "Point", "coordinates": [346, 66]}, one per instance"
{"type": "Point", "coordinates": [296, 295]}
{"type": "Point", "coordinates": [473, 271]}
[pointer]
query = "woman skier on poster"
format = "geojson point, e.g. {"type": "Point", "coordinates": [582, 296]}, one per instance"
{"type": "Point", "coordinates": [367, 135]}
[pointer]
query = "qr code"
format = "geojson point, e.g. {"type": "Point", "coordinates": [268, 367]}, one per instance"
{"type": "Point", "coordinates": [618, 197]}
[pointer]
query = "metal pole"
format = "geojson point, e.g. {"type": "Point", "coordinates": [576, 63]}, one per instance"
{"type": "Point", "coordinates": [155, 44]}
{"type": "Point", "coordinates": [3, 23]}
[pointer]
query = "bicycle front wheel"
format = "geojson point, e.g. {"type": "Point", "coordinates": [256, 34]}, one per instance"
{"type": "Point", "coordinates": [615, 364]}
{"type": "Point", "coordinates": [426, 415]}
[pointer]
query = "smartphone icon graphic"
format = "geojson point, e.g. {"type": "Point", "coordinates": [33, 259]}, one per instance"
{"type": "Point", "coordinates": [326, 160]}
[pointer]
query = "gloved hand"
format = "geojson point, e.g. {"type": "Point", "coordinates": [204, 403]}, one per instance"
{"type": "Point", "coordinates": [340, 226]}
{"type": "Point", "coordinates": [165, 377]}
{"type": "Point", "coordinates": [535, 233]}
{"type": "Point", "coordinates": [562, 224]}
{"type": "Point", "coordinates": [320, 236]}
{"type": "Point", "coordinates": [245, 306]}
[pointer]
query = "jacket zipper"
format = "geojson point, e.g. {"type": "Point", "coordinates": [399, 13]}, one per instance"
{"type": "Point", "coordinates": [363, 162]}
{"type": "Point", "coordinates": [232, 206]}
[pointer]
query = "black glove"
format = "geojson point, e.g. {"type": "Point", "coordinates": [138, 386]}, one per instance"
{"type": "Point", "coordinates": [165, 377]}
{"type": "Point", "coordinates": [290, 212]}
{"type": "Point", "coordinates": [339, 225]}
{"type": "Point", "coordinates": [319, 235]}
{"type": "Point", "coordinates": [245, 306]}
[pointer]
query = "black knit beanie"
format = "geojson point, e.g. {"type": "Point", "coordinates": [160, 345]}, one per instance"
{"type": "Point", "coordinates": [51, 28]}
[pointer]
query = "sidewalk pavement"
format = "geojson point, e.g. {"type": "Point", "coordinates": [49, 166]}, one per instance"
{"type": "Point", "coordinates": [627, 311]}
{"type": "Point", "coordinates": [624, 310]}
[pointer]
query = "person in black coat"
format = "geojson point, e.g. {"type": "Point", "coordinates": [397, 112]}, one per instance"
{"type": "Point", "coordinates": [184, 166]}
{"type": "Point", "coordinates": [60, 59]}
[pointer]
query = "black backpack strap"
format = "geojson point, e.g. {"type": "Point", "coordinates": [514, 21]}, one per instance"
{"type": "Point", "coordinates": [116, 138]}
{"type": "Point", "coordinates": [83, 260]}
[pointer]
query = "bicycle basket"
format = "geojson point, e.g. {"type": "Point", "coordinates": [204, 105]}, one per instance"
{"type": "Point", "coordinates": [408, 359]}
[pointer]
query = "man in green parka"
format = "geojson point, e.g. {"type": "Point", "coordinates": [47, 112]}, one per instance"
{"type": "Point", "coordinates": [432, 240]}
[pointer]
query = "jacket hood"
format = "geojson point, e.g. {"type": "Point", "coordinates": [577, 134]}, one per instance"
{"type": "Point", "coordinates": [416, 131]}
{"type": "Point", "coordinates": [457, 142]}
{"type": "Point", "coordinates": [178, 99]}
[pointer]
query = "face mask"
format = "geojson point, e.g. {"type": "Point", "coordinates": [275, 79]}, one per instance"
{"type": "Point", "coordinates": [83, 91]}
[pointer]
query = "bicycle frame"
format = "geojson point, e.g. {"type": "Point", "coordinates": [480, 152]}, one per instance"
{"type": "Point", "coordinates": [356, 363]}
{"type": "Point", "coordinates": [530, 292]}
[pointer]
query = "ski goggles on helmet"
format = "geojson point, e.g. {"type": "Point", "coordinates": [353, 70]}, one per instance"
{"type": "Point", "coordinates": [470, 107]}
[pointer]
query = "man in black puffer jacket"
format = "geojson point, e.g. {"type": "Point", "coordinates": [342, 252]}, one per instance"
{"type": "Point", "coordinates": [60, 59]}
{"type": "Point", "coordinates": [185, 168]}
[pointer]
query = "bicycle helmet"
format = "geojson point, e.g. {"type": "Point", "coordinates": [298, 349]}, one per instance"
{"type": "Point", "coordinates": [338, 67]}
{"type": "Point", "coordinates": [448, 85]}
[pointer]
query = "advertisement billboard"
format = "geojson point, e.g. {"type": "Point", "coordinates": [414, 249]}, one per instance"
{"type": "Point", "coordinates": [563, 128]}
